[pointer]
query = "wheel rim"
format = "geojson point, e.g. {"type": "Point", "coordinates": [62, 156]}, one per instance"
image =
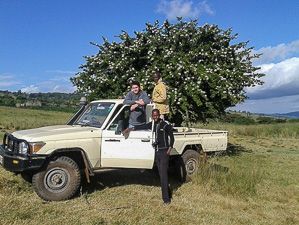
{"type": "Point", "coordinates": [57, 180]}
{"type": "Point", "coordinates": [191, 166]}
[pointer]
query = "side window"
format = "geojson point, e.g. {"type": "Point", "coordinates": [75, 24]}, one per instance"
{"type": "Point", "coordinates": [121, 122]}
{"type": "Point", "coordinates": [115, 112]}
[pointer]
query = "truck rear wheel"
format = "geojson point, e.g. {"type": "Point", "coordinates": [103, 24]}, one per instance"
{"type": "Point", "coordinates": [188, 165]}
{"type": "Point", "coordinates": [60, 180]}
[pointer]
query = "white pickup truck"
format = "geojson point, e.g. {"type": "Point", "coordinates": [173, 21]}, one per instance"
{"type": "Point", "coordinates": [55, 158]}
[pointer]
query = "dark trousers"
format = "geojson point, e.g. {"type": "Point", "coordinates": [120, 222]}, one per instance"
{"type": "Point", "coordinates": [162, 161]}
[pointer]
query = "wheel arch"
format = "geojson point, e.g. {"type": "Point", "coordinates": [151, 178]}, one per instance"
{"type": "Point", "coordinates": [76, 154]}
{"type": "Point", "coordinates": [196, 147]}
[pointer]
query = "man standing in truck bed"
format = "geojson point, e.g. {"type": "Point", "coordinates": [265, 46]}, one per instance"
{"type": "Point", "coordinates": [159, 95]}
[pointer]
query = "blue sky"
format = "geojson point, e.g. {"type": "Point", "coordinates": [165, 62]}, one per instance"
{"type": "Point", "coordinates": [42, 43]}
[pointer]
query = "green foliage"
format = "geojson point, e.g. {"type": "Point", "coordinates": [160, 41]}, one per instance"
{"type": "Point", "coordinates": [206, 72]}
{"type": "Point", "coordinates": [238, 119]}
{"type": "Point", "coordinates": [293, 121]}
{"type": "Point", "coordinates": [269, 120]}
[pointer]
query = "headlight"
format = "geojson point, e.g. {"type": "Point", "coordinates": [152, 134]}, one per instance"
{"type": "Point", "coordinates": [10, 145]}
{"type": "Point", "coordinates": [23, 148]}
{"type": "Point", "coordinates": [36, 146]}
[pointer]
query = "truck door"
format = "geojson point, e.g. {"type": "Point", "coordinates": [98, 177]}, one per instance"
{"type": "Point", "coordinates": [135, 151]}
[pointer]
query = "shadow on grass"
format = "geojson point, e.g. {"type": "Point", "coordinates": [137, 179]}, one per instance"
{"type": "Point", "coordinates": [216, 168]}
{"type": "Point", "coordinates": [121, 177]}
{"type": "Point", "coordinates": [233, 149]}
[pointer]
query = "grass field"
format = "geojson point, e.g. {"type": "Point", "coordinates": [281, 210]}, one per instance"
{"type": "Point", "coordinates": [12, 119]}
{"type": "Point", "coordinates": [255, 182]}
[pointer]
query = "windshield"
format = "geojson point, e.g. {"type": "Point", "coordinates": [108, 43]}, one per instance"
{"type": "Point", "coordinates": [95, 114]}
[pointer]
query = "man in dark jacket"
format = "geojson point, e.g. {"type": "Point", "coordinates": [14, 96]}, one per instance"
{"type": "Point", "coordinates": [137, 99]}
{"type": "Point", "coordinates": [163, 143]}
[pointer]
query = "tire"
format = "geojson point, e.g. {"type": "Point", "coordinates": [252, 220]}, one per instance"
{"type": "Point", "coordinates": [27, 176]}
{"type": "Point", "coordinates": [59, 181]}
{"type": "Point", "coordinates": [188, 164]}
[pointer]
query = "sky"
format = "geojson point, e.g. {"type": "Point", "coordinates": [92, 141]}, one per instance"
{"type": "Point", "coordinates": [43, 43]}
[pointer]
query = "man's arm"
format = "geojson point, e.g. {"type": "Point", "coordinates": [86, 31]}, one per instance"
{"type": "Point", "coordinates": [128, 99]}
{"type": "Point", "coordinates": [160, 96]}
{"type": "Point", "coordinates": [147, 126]}
{"type": "Point", "coordinates": [169, 131]}
{"type": "Point", "coordinates": [145, 98]}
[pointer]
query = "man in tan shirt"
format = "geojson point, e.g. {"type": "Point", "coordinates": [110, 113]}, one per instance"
{"type": "Point", "coordinates": [159, 95]}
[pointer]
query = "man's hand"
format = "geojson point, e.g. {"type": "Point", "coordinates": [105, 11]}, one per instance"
{"type": "Point", "coordinates": [133, 107]}
{"type": "Point", "coordinates": [140, 102]}
{"type": "Point", "coordinates": [126, 132]}
{"type": "Point", "coordinates": [169, 150]}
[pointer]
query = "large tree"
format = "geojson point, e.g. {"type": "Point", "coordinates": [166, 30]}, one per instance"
{"type": "Point", "coordinates": [204, 67]}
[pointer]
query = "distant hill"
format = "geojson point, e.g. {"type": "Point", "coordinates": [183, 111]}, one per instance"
{"type": "Point", "coordinates": [51, 101]}
{"type": "Point", "coordinates": [287, 115]}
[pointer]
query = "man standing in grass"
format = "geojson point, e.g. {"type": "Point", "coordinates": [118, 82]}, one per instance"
{"type": "Point", "coordinates": [163, 143]}
{"type": "Point", "coordinates": [159, 95]}
{"type": "Point", "coordinates": [137, 99]}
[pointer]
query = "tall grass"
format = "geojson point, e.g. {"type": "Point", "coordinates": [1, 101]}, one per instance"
{"type": "Point", "coordinates": [18, 119]}
{"type": "Point", "coordinates": [232, 179]}
{"type": "Point", "coordinates": [12, 119]}
{"type": "Point", "coordinates": [277, 130]}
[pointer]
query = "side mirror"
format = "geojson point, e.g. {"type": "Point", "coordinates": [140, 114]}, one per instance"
{"type": "Point", "coordinates": [83, 101]}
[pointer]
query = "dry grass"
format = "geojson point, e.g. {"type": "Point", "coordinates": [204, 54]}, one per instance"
{"type": "Point", "coordinates": [257, 182]}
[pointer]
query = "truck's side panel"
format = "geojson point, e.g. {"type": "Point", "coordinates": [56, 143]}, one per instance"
{"type": "Point", "coordinates": [209, 141]}
{"type": "Point", "coordinates": [136, 151]}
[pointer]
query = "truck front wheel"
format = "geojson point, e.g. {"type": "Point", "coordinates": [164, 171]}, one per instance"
{"type": "Point", "coordinates": [188, 164]}
{"type": "Point", "coordinates": [60, 180]}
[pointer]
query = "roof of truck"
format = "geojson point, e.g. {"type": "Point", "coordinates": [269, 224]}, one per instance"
{"type": "Point", "coordinates": [118, 101]}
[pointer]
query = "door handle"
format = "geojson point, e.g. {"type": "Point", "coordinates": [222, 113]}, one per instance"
{"type": "Point", "coordinates": [113, 140]}
{"type": "Point", "coordinates": [145, 140]}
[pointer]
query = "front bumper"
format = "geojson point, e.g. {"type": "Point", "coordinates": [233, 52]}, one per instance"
{"type": "Point", "coordinates": [18, 163]}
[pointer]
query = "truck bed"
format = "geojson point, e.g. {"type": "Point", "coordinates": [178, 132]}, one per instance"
{"type": "Point", "coordinates": [208, 140]}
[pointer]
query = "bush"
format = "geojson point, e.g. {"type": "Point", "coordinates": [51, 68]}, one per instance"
{"type": "Point", "coordinates": [269, 120]}
{"type": "Point", "coordinates": [238, 119]}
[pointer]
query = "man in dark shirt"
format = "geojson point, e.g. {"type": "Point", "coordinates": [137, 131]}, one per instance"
{"type": "Point", "coordinates": [163, 143]}
{"type": "Point", "coordinates": [137, 99]}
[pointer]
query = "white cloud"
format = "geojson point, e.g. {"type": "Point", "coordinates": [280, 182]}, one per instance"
{"type": "Point", "coordinates": [52, 85]}
{"type": "Point", "coordinates": [63, 89]}
{"type": "Point", "coordinates": [283, 104]}
{"type": "Point", "coordinates": [278, 52]}
{"type": "Point", "coordinates": [281, 79]}
{"type": "Point", "coordinates": [7, 80]}
{"type": "Point", "coordinates": [30, 89]}
{"type": "Point", "coordinates": [184, 8]}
